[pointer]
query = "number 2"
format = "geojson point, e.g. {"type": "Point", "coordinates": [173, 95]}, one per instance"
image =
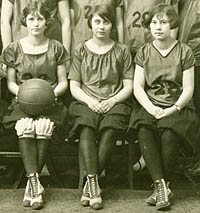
{"type": "Point", "coordinates": [137, 17]}
{"type": "Point", "coordinates": [87, 9]}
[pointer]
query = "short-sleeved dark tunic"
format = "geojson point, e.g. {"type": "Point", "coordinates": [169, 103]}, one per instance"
{"type": "Point", "coordinates": [30, 66]}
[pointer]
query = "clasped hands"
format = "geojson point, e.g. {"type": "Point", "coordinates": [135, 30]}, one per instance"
{"type": "Point", "coordinates": [101, 107]}
{"type": "Point", "coordinates": [159, 112]}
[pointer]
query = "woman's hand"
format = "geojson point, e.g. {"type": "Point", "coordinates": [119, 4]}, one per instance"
{"type": "Point", "coordinates": [95, 106]}
{"type": "Point", "coordinates": [168, 111]}
{"type": "Point", "coordinates": [156, 111]}
{"type": "Point", "coordinates": [108, 104]}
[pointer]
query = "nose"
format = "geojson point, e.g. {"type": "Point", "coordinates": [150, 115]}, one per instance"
{"type": "Point", "coordinates": [101, 25]}
{"type": "Point", "coordinates": [35, 22]}
{"type": "Point", "coordinates": [158, 25]}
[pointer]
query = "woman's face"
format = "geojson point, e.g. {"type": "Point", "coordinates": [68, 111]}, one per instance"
{"type": "Point", "coordinates": [160, 27]}
{"type": "Point", "coordinates": [36, 24]}
{"type": "Point", "coordinates": [101, 28]}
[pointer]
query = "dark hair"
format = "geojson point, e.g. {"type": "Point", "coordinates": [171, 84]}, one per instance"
{"type": "Point", "coordinates": [35, 7]}
{"type": "Point", "coordinates": [105, 12]}
{"type": "Point", "coordinates": [161, 9]}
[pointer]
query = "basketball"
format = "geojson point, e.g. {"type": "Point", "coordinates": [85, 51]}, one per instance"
{"type": "Point", "coordinates": [36, 97]}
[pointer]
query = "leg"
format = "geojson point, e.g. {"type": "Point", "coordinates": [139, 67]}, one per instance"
{"type": "Point", "coordinates": [28, 149]}
{"type": "Point", "coordinates": [42, 146]}
{"type": "Point", "coordinates": [169, 151]}
{"type": "Point", "coordinates": [151, 152]}
{"type": "Point", "coordinates": [88, 151]}
{"type": "Point", "coordinates": [106, 144]}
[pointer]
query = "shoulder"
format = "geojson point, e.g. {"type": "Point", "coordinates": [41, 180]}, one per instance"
{"type": "Point", "coordinates": [145, 48]}
{"type": "Point", "coordinates": [185, 48]}
{"type": "Point", "coordinates": [121, 47]}
{"type": "Point", "coordinates": [80, 49]}
{"type": "Point", "coordinates": [55, 43]}
{"type": "Point", "coordinates": [13, 47]}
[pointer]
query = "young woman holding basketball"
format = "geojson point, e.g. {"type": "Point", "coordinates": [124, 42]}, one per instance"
{"type": "Point", "coordinates": [35, 56]}
{"type": "Point", "coordinates": [101, 83]}
{"type": "Point", "coordinates": [163, 85]}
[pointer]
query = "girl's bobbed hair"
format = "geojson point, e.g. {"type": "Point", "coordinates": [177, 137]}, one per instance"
{"type": "Point", "coordinates": [105, 11]}
{"type": "Point", "coordinates": [168, 10]}
{"type": "Point", "coordinates": [36, 7]}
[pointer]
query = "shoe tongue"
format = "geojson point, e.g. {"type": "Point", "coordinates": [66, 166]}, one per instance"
{"type": "Point", "coordinates": [91, 176]}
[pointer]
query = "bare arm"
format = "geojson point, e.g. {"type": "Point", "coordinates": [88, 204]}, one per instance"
{"type": "Point", "coordinates": [120, 96]}
{"type": "Point", "coordinates": [64, 12]}
{"type": "Point", "coordinates": [6, 17]}
{"type": "Point", "coordinates": [80, 95]}
{"type": "Point", "coordinates": [120, 24]}
{"type": "Point", "coordinates": [186, 95]}
{"type": "Point", "coordinates": [140, 94]}
{"type": "Point", "coordinates": [62, 80]}
{"type": "Point", "coordinates": [12, 85]}
{"type": "Point", "coordinates": [188, 87]}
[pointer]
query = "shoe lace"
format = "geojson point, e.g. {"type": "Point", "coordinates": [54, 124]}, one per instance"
{"type": "Point", "coordinates": [93, 186]}
{"type": "Point", "coordinates": [34, 185]}
{"type": "Point", "coordinates": [160, 192]}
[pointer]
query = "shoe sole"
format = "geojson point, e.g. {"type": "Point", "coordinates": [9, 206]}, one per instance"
{"type": "Point", "coordinates": [166, 205]}
{"type": "Point", "coordinates": [153, 203]}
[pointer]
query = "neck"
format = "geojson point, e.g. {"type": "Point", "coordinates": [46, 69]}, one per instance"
{"type": "Point", "coordinates": [36, 40]}
{"type": "Point", "coordinates": [164, 44]}
{"type": "Point", "coordinates": [101, 42]}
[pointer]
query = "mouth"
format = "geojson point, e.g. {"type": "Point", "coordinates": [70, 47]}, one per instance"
{"type": "Point", "coordinates": [158, 34]}
{"type": "Point", "coordinates": [101, 33]}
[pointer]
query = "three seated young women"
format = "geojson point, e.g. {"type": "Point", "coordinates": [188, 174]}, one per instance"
{"type": "Point", "coordinates": [101, 83]}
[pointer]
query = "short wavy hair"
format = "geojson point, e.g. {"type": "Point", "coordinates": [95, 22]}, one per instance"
{"type": "Point", "coordinates": [36, 7]}
{"type": "Point", "coordinates": [168, 10]}
{"type": "Point", "coordinates": [105, 11]}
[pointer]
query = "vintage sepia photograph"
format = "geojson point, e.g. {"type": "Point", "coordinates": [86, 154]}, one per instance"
{"type": "Point", "coordinates": [100, 106]}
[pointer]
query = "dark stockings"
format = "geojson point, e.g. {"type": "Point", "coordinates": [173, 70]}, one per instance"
{"type": "Point", "coordinates": [151, 153]}
{"type": "Point", "coordinates": [42, 146]}
{"type": "Point", "coordinates": [88, 150]}
{"type": "Point", "coordinates": [28, 149]}
{"type": "Point", "coordinates": [169, 152]}
{"type": "Point", "coordinates": [160, 158]}
{"type": "Point", "coordinates": [106, 144]}
{"type": "Point", "coordinates": [33, 154]}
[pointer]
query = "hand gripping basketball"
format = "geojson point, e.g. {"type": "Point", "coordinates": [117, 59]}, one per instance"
{"type": "Point", "coordinates": [44, 128]}
{"type": "Point", "coordinates": [25, 128]}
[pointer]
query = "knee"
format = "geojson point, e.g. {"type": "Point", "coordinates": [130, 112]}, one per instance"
{"type": "Point", "coordinates": [44, 128]}
{"type": "Point", "coordinates": [25, 128]}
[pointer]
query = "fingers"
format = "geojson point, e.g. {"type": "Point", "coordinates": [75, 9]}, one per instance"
{"type": "Point", "coordinates": [25, 128]}
{"type": "Point", "coordinates": [44, 128]}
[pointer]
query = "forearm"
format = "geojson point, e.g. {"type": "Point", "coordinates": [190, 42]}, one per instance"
{"type": "Point", "coordinates": [61, 88]}
{"type": "Point", "coordinates": [120, 24]}
{"type": "Point", "coordinates": [120, 32]}
{"type": "Point", "coordinates": [6, 33]}
{"type": "Point", "coordinates": [66, 37]}
{"type": "Point", "coordinates": [123, 94]}
{"type": "Point", "coordinates": [13, 88]}
{"type": "Point", "coordinates": [142, 98]}
{"type": "Point", "coordinates": [185, 97]}
{"type": "Point", "coordinates": [80, 95]}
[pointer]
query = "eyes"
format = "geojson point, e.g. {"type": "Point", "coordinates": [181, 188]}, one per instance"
{"type": "Point", "coordinates": [32, 19]}
{"type": "Point", "coordinates": [162, 22]}
{"type": "Point", "coordinates": [98, 22]}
